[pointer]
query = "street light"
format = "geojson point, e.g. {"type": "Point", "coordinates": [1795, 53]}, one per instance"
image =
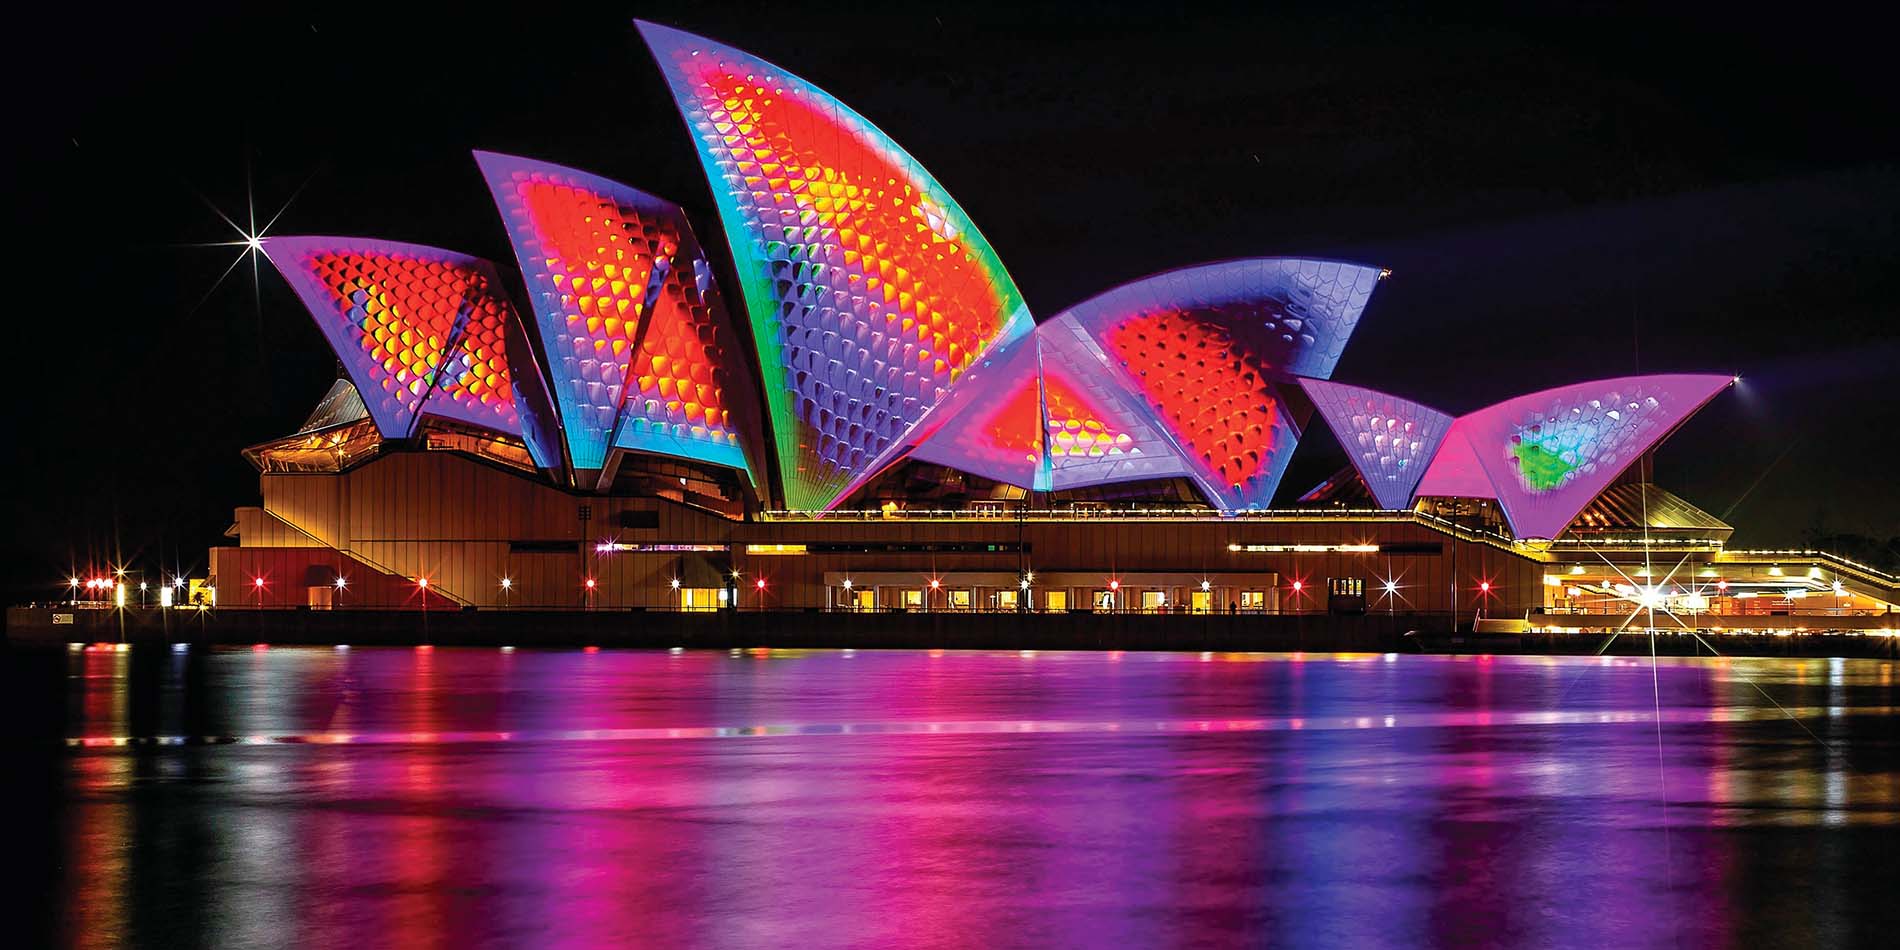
{"type": "Point", "coordinates": [507, 587]}
{"type": "Point", "coordinates": [341, 583]}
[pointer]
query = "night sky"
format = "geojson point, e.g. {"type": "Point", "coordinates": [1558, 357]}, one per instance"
{"type": "Point", "coordinates": [1561, 194]}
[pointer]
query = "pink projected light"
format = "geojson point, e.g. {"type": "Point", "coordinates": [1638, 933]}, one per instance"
{"type": "Point", "coordinates": [991, 424]}
{"type": "Point", "coordinates": [1547, 455]}
{"type": "Point", "coordinates": [1454, 472]}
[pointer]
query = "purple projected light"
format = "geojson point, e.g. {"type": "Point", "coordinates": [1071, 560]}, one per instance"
{"type": "Point", "coordinates": [597, 257]}
{"type": "Point", "coordinates": [990, 424]}
{"type": "Point", "coordinates": [1389, 440]}
{"type": "Point", "coordinates": [395, 314]}
{"type": "Point", "coordinates": [1098, 431]}
{"type": "Point", "coordinates": [1549, 453]}
{"type": "Point", "coordinates": [1207, 348]}
{"type": "Point", "coordinates": [1454, 472]}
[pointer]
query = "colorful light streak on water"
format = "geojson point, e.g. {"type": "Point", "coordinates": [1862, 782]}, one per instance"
{"type": "Point", "coordinates": [775, 798]}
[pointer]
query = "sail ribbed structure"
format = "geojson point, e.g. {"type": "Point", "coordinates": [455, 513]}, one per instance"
{"type": "Point", "coordinates": [638, 352]}
{"type": "Point", "coordinates": [869, 290]}
{"type": "Point", "coordinates": [1389, 440]}
{"type": "Point", "coordinates": [419, 330]}
{"type": "Point", "coordinates": [885, 328]}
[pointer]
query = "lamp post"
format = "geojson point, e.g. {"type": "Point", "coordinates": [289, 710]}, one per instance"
{"type": "Point", "coordinates": [342, 583]}
{"type": "Point", "coordinates": [142, 589]}
{"type": "Point", "coordinates": [507, 588]}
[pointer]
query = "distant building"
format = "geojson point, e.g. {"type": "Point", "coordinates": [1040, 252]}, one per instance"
{"type": "Point", "coordinates": [852, 408]}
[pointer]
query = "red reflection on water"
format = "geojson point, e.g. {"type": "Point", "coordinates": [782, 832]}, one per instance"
{"type": "Point", "coordinates": [790, 798]}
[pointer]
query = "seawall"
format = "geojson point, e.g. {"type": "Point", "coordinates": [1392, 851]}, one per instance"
{"type": "Point", "coordinates": [1376, 633]}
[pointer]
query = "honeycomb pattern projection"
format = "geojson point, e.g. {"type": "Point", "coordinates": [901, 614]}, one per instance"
{"type": "Point", "coordinates": [593, 254]}
{"type": "Point", "coordinates": [1390, 440]}
{"type": "Point", "coordinates": [1097, 431]}
{"type": "Point", "coordinates": [1205, 347]}
{"type": "Point", "coordinates": [691, 395]}
{"type": "Point", "coordinates": [476, 384]}
{"type": "Point", "coordinates": [868, 289]}
{"type": "Point", "coordinates": [392, 313]}
{"type": "Point", "coordinates": [995, 430]}
{"type": "Point", "coordinates": [539, 427]}
{"type": "Point", "coordinates": [1549, 454]}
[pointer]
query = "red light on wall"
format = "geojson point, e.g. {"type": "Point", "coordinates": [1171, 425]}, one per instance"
{"type": "Point", "coordinates": [1484, 586]}
{"type": "Point", "coordinates": [257, 581]}
{"type": "Point", "coordinates": [1114, 585]}
{"type": "Point", "coordinates": [422, 582]}
{"type": "Point", "coordinates": [590, 583]}
{"type": "Point", "coordinates": [935, 583]}
{"type": "Point", "coordinates": [1298, 586]}
{"type": "Point", "coordinates": [760, 583]}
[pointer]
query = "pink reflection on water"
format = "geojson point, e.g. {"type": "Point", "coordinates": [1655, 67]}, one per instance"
{"type": "Point", "coordinates": [790, 798]}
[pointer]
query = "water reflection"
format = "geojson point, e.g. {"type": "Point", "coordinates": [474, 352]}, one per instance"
{"type": "Point", "coordinates": [774, 798]}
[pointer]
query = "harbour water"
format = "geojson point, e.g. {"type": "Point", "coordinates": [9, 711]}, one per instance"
{"type": "Point", "coordinates": [322, 797]}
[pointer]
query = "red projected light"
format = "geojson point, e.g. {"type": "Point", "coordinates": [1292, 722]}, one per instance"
{"type": "Point", "coordinates": [1210, 387]}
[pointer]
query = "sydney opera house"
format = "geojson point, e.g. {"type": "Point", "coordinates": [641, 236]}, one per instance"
{"type": "Point", "coordinates": [838, 400]}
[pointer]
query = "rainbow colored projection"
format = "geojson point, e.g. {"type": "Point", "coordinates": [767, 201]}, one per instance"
{"type": "Point", "coordinates": [1098, 431]}
{"type": "Point", "coordinates": [884, 327]}
{"type": "Point", "coordinates": [1549, 453]}
{"type": "Point", "coordinates": [1389, 440]}
{"type": "Point", "coordinates": [869, 290]}
{"type": "Point", "coordinates": [1208, 348]}
{"type": "Point", "coordinates": [637, 350]}
{"type": "Point", "coordinates": [995, 429]}
{"type": "Point", "coordinates": [419, 329]}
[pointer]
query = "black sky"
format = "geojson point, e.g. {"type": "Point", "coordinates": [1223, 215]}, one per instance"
{"type": "Point", "coordinates": [1564, 192]}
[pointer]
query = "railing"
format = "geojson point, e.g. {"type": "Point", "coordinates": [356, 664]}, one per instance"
{"type": "Point", "coordinates": [1872, 573]}
{"type": "Point", "coordinates": [1086, 514]}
